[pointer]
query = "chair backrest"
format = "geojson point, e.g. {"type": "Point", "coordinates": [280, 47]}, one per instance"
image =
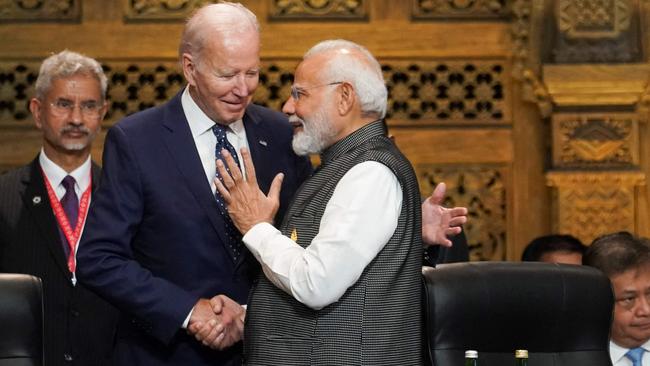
{"type": "Point", "coordinates": [21, 320]}
{"type": "Point", "coordinates": [561, 314]}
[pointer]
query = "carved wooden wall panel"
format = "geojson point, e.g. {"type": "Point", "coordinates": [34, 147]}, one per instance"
{"type": "Point", "coordinates": [424, 92]}
{"type": "Point", "coordinates": [40, 10]}
{"type": "Point", "coordinates": [596, 31]}
{"type": "Point", "coordinates": [444, 9]}
{"type": "Point", "coordinates": [153, 10]}
{"type": "Point", "coordinates": [595, 140]}
{"type": "Point", "coordinates": [482, 189]}
{"type": "Point", "coordinates": [318, 9]}
{"type": "Point", "coordinates": [592, 204]}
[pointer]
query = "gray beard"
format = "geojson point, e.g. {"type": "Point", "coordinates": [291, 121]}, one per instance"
{"type": "Point", "coordinates": [315, 136]}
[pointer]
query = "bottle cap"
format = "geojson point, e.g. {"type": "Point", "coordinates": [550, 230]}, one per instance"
{"type": "Point", "coordinates": [471, 354]}
{"type": "Point", "coordinates": [521, 353]}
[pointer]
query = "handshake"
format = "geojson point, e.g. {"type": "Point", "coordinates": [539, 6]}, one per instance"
{"type": "Point", "coordinates": [217, 323]}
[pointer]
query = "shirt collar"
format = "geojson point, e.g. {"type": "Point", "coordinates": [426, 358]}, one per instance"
{"type": "Point", "coordinates": [617, 352]}
{"type": "Point", "coordinates": [55, 173]}
{"type": "Point", "coordinates": [200, 122]}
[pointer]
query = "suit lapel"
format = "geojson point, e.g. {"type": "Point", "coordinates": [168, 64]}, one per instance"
{"type": "Point", "coordinates": [38, 204]}
{"type": "Point", "coordinates": [258, 144]}
{"type": "Point", "coordinates": [178, 139]}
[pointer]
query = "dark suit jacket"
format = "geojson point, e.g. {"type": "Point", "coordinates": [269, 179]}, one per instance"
{"type": "Point", "coordinates": [78, 324]}
{"type": "Point", "coordinates": [458, 252]}
{"type": "Point", "coordinates": [154, 238]}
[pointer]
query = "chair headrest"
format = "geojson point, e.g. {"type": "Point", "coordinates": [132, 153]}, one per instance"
{"type": "Point", "coordinates": [497, 307]}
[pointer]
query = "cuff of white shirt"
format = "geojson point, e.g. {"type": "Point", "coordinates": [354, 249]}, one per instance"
{"type": "Point", "coordinates": [187, 320]}
{"type": "Point", "coordinates": [256, 236]}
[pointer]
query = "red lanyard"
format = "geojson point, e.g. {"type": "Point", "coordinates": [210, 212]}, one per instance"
{"type": "Point", "coordinates": [72, 236]}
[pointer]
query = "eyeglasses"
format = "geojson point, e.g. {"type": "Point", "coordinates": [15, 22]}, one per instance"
{"type": "Point", "coordinates": [297, 92]}
{"type": "Point", "coordinates": [64, 107]}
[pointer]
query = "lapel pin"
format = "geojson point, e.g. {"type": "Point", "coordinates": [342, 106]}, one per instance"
{"type": "Point", "coordinates": [36, 200]}
{"type": "Point", "coordinates": [263, 143]}
{"type": "Point", "coordinates": [294, 235]}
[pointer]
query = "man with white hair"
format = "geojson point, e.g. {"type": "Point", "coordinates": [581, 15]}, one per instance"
{"type": "Point", "coordinates": [43, 206]}
{"type": "Point", "coordinates": [158, 243]}
{"type": "Point", "coordinates": [341, 282]}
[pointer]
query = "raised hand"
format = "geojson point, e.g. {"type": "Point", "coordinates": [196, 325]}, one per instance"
{"type": "Point", "coordinates": [247, 204]}
{"type": "Point", "coordinates": [438, 222]}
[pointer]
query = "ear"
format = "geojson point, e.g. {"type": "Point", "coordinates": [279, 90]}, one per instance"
{"type": "Point", "coordinates": [189, 67]}
{"type": "Point", "coordinates": [35, 108]}
{"type": "Point", "coordinates": [347, 99]}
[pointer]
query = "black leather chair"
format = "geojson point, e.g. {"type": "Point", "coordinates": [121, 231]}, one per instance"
{"type": "Point", "coordinates": [21, 320]}
{"type": "Point", "coordinates": [560, 313]}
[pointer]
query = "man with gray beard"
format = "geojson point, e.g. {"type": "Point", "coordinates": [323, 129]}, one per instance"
{"type": "Point", "coordinates": [341, 281]}
{"type": "Point", "coordinates": [43, 208]}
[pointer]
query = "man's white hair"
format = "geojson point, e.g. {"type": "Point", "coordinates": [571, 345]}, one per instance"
{"type": "Point", "coordinates": [353, 63]}
{"type": "Point", "coordinates": [215, 20]}
{"type": "Point", "coordinates": [64, 64]}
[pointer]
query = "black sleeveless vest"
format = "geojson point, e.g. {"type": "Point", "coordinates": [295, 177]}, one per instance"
{"type": "Point", "coordinates": [378, 319]}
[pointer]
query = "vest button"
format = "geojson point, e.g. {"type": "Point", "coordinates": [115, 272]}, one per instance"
{"type": "Point", "coordinates": [67, 357]}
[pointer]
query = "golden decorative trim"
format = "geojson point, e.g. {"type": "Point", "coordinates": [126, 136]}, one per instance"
{"type": "Point", "coordinates": [40, 10]}
{"type": "Point", "coordinates": [318, 9]}
{"type": "Point", "coordinates": [152, 10]}
{"type": "Point", "coordinates": [476, 9]}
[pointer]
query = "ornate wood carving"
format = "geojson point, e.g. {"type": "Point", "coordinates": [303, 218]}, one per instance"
{"type": "Point", "coordinates": [440, 9]}
{"type": "Point", "coordinates": [161, 9]}
{"type": "Point", "coordinates": [591, 204]}
{"type": "Point", "coordinates": [447, 92]}
{"type": "Point", "coordinates": [590, 140]}
{"type": "Point", "coordinates": [422, 92]}
{"type": "Point", "coordinates": [482, 190]}
{"type": "Point", "coordinates": [596, 31]}
{"type": "Point", "coordinates": [318, 9]}
{"type": "Point", "coordinates": [40, 10]}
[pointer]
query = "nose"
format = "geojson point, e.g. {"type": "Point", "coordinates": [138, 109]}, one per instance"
{"type": "Point", "coordinates": [75, 116]}
{"type": "Point", "coordinates": [241, 87]}
{"type": "Point", "coordinates": [289, 106]}
{"type": "Point", "coordinates": [643, 307]}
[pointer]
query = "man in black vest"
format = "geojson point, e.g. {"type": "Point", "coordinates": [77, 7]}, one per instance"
{"type": "Point", "coordinates": [341, 283]}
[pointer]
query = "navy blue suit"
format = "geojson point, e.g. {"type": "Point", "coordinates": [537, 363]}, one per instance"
{"type": "Point", "coordinates": [154, 238]}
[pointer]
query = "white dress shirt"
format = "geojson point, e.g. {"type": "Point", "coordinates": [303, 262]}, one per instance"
{"type": "Point", "coordinates": [359, 219]}
{"type": "Point", "coordinates": [206, 141]}
{"type": "Point", "coordinates": [617, 353]}
{"type": "Point", "coordinates": [55, 175]}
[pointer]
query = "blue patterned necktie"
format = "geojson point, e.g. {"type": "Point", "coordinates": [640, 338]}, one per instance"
{"type": "Point", "coordinates": [635, 355]}
{"type": "Point", "coordinates": [70, 204]}
{"type": "Point", "coordinates": [234, 236]}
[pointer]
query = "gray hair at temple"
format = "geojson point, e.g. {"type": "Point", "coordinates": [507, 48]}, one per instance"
{"type": "Point", "coordinates": [225, 18]}
{"type": "Point", "coordinates": [616, 253]}
{"type": "Point", "coordinates": [364, 73]}
{"type": "Point", "coordinates": [64, 64]}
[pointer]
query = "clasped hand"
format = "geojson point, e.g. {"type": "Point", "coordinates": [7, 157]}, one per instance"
{"type": "Point", "coordinates": [218, 322]}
